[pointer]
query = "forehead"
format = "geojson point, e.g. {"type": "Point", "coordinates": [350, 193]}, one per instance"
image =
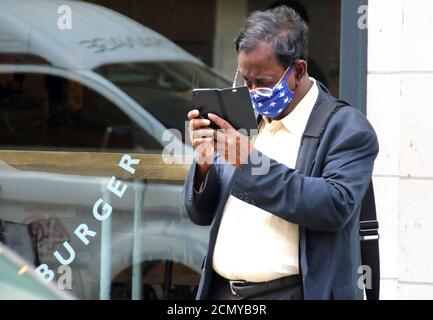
{"type": "Point", "coordinates": [259, 61]}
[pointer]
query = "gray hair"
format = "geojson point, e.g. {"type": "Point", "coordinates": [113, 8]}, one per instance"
{"type": "Point", "coordinates": [282, 27]}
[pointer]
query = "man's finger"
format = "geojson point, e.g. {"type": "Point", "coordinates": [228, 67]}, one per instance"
{"type": "Point", "coordinates": [197, 123]}
{"type": "Point", "coordinates": [220, 122]}
{"type": "Point", "coordinates": [193, 114]}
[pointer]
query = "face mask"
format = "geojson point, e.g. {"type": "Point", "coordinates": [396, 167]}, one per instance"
{"type": "Point", "coordinates": [271, 102]}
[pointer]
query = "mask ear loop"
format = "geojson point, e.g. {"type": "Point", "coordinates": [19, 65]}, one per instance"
{"type": "Point", "coordinates": [286, 73]}
{"type": "Point", "coordinates": [236, 77]}
{"type": "Point", "coordinates": [290, 70]}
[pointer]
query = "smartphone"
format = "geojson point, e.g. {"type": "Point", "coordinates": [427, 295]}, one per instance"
{"type": "Point", "coordinates": [232, 104]}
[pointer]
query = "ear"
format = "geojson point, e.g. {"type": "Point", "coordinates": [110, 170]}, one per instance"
{"type": "Point", "coordinates": [300, 69]}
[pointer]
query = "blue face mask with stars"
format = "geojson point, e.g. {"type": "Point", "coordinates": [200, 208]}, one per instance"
{"type": "Point", "coordinates": [271, 102]}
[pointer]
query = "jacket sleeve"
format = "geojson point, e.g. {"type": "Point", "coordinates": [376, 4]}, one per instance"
{"type": "Point", "coordinates": [324, 203]}
{"type": "Point", "coordinates": [201, 204]}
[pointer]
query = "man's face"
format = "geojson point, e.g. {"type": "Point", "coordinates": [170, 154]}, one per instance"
{"type": "Point", "coordinates": [260, 68]}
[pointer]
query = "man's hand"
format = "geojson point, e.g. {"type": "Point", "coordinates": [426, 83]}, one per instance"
{"type": "Point", "coordinates": [232, 145]}
{"type": "Point", "coordinates": [202, 139]}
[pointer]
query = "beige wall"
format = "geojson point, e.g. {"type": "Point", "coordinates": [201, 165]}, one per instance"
{"type": "Point", "coordinates": [399, 103]}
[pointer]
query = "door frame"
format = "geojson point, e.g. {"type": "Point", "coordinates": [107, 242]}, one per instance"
{"type": "Point", "coordinates": [353, 54]}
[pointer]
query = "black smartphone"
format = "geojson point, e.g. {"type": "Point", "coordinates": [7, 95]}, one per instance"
{"type": "Point", "coordinates": [231, 104]}
{"type": "Point", "coordinates": [207, 101]}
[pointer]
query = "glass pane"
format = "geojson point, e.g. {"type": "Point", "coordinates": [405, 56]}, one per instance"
{"type": "Point", "coordinates": [45, 112]}
{"type": "Point", "coordinates": [163, 88]}
{"type": "Point", "coordinates": [147, 248]}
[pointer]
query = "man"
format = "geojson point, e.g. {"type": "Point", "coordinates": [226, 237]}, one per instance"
{"type": "Point", "coordinates": [280, 235]}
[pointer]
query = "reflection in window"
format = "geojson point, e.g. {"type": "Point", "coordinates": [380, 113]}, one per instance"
{"type": "Point", "coordinates": [45, 112]}
{"type": "Point", "coordinates": [163, 88]}
{"type": "Point", "coordinates": [21, 58]}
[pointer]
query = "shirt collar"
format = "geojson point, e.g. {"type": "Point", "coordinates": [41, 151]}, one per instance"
{"type": "Point", "coordinates": [296, 120]}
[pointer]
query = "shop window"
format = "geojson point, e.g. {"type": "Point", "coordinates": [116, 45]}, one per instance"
{"type": "Point", "coordinates": [45, 112]}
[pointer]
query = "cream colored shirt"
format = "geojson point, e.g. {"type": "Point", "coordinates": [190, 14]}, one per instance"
{"type": "Point", "coordinates": [253, 244]}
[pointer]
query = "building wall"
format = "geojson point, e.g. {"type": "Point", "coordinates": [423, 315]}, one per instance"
{"type": "Point", "coordinates": [399, 105]}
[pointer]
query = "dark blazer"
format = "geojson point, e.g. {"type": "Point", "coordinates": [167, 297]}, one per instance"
{"type": "Point", "coordinates": [325, 205]}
